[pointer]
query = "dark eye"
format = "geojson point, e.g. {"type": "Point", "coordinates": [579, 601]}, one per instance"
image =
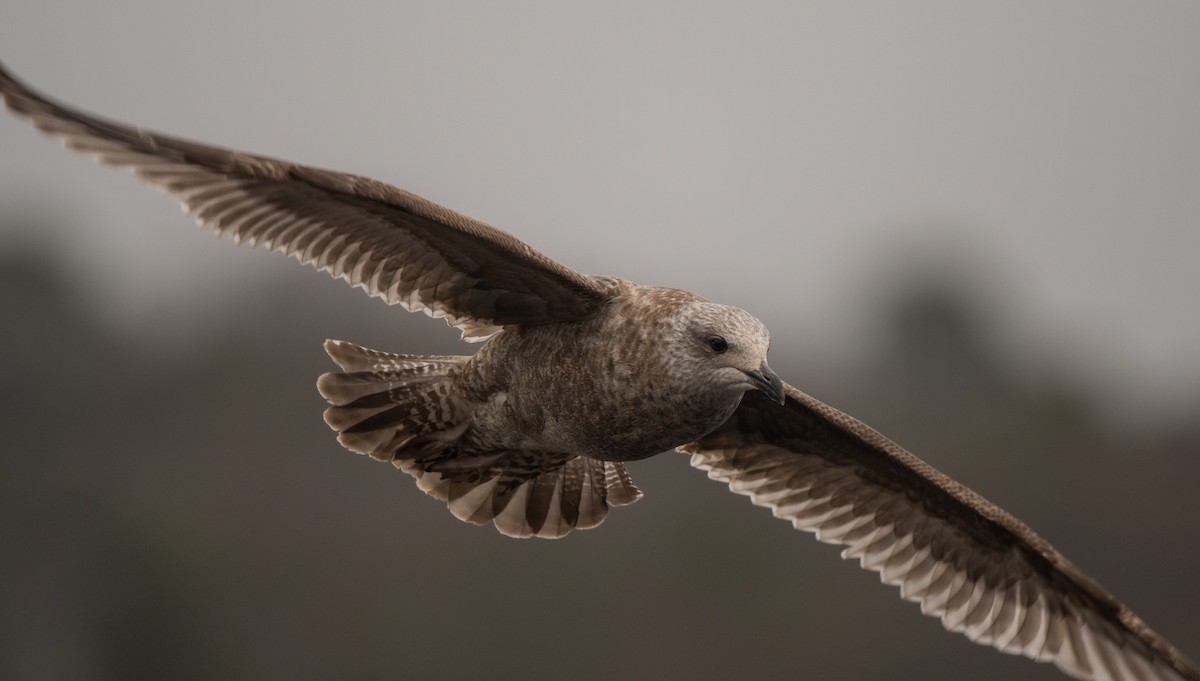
{"type": "Point", "coordinates": [718, 344]}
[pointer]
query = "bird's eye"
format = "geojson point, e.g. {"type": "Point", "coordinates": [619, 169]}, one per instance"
{"type": "Point", "coordinates": [718, 344]}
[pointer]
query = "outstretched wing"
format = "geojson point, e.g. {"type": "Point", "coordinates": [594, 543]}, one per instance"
{"type": "Point", "coordinates": [965, 560]}
{"type": "Point", "coordinates": [392, 244]}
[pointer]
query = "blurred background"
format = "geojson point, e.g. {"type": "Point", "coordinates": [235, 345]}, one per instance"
{"type": "Point", "coordinates": [973, 227]}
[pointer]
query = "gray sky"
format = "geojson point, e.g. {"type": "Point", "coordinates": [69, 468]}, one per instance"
{"type": "Point", "coordinates": [778, 156]}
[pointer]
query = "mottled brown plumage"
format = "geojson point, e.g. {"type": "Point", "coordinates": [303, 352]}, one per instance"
{"type": "Point", "coordinates": [580, 374]}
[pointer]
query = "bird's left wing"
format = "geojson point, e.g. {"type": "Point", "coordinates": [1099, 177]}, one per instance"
{"type": "Point", "coordinates": [393, 244]}
{"type": "Point", "coordinates": [965, 560]}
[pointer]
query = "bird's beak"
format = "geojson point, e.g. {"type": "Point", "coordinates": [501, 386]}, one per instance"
{"type": "Point", "coordinates": [768, 381]}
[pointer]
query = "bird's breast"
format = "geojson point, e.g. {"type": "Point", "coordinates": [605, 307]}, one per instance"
{"type": "Point", "coordinates": [596, 389]}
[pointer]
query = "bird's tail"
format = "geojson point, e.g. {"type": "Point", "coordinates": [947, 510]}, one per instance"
{"type": "Point", "coordinates": [383, 401]}
{"type": "Point", "coordinates": [400, 408]}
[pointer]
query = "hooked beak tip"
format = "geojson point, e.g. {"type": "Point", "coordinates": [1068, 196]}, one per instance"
{"type": "Point", "coordinates": [769, 382]}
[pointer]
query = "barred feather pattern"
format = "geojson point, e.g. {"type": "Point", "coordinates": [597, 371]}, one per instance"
{"type": "Point", "coordinates": [523, 499]}
{"type": "Point", "coordinates": [389, 242]}
{"type": "Point", "coordinates": [964, 560]}
{"type": "Point", "coordinates": [400, 408]}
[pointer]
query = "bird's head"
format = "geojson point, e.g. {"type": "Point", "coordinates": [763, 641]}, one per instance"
{"type": "Point", "coordinates": [728, 346]}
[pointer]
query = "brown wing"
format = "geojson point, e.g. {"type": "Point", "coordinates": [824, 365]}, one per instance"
{"type": "Point", "coordinates": [966, 561]}
{"type": "Point", "coordinates": [393, 244]}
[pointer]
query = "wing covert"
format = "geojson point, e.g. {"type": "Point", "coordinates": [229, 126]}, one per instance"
{"type": "Point", "coordinates": [980, 570]}
{"type": "Point", "coordinates": [389, 242]}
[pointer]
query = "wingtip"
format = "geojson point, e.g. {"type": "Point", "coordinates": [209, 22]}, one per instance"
{"type": "Point", "coordinates": [9, 82]}
{"type": "Point", "coordinates": [10, 85]}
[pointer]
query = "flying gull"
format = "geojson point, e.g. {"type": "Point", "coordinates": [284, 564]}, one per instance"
{"type": "Point", "coordinates": [580, 374]}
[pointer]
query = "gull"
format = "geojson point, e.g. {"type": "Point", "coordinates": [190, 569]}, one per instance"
{"type": "Point", "coordinates": [578, 375]}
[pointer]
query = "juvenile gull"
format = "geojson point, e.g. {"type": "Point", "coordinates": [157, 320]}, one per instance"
{"type": "Point", "coordinates": [580, 374]}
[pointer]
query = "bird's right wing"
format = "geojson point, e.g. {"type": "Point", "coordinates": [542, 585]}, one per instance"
{"type": "Point", "coordinates": [393, 244]}
{"type": "Point", "coordinates": [965, 560]}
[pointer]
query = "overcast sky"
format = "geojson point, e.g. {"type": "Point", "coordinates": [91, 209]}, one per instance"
{"type": "Point", "coordinates": [792, 158]}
